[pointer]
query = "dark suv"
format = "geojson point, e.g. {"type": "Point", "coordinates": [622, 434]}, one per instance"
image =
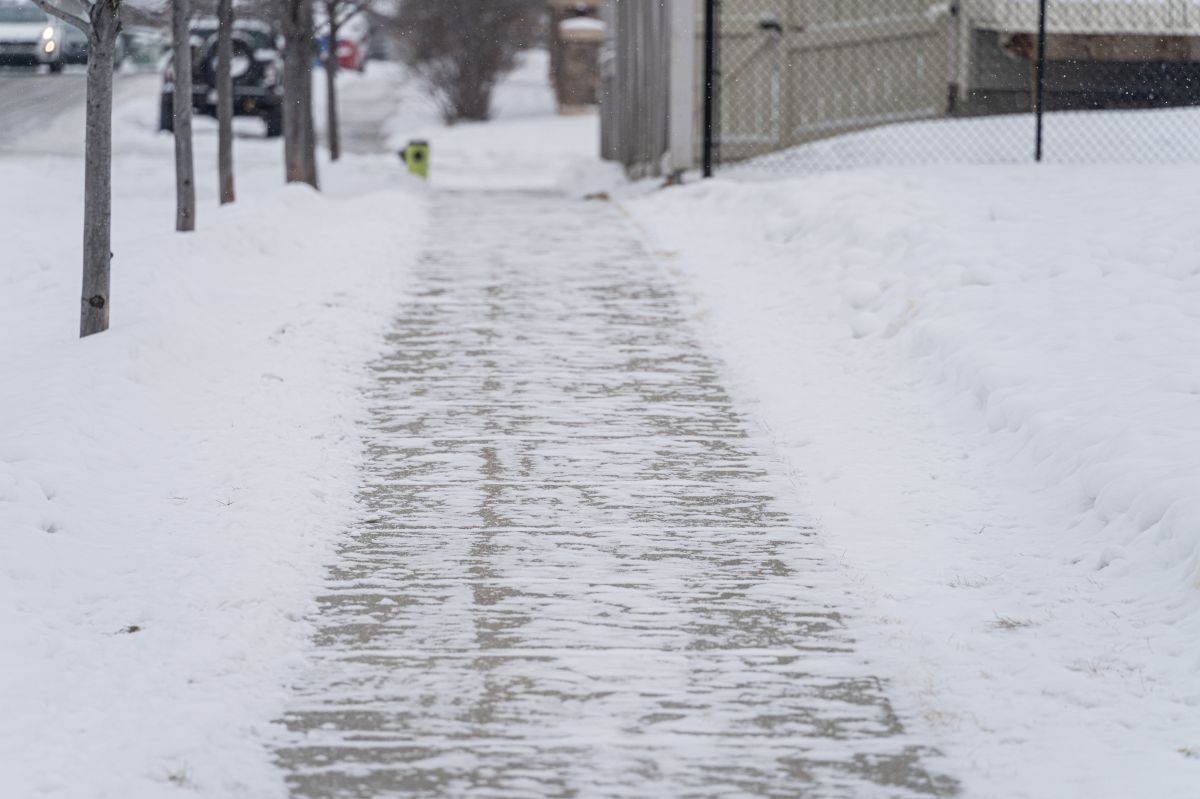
{"type": "Point", "coordinates": [256, 67]}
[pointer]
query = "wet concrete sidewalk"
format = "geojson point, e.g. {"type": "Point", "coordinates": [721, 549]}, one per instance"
{"type": "Point", "coordinates": [582, 575]}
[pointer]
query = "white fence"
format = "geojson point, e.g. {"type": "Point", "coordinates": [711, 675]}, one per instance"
{"type": "Point", "coordinates": [790, 72]}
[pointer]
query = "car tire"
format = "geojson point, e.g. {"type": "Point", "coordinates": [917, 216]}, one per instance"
{"type": "Point", "coordinates": [56, 67]}
{"type": "Point", "coordinates": [274, 120]}
{"type": "Point", "coordinates": [166, 114]}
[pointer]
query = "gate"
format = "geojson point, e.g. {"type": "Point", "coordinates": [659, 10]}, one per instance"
{"type": "Point", "coordinates": [792, 71]}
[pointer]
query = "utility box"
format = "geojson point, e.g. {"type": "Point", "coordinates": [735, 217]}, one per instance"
{"type": "Point", "coordinates": [576, 37]}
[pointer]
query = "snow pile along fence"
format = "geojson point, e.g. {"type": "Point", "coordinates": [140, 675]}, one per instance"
{"type": "Point", "coordinates": [802, 85]}
{"type": "Point", "coordinates": [793, 72]}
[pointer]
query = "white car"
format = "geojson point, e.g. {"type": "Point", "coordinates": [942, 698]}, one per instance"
{"type": "Point", "coordinates": [29, 37]}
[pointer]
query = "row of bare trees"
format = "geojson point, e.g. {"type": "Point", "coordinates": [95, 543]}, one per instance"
{"type": "Point", "coordinates": [460, 47]}
{"type": "Point", "coordinates": [100, 20]}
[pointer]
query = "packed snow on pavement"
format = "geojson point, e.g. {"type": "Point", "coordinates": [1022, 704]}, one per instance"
{"type": "Point", "coordinates": [984, 379]}
{"type": "Point", "coordinates": [171, 490]}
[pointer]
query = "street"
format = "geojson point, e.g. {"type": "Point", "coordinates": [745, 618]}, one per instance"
{"type": "Point", "coordinates": [30, 100]}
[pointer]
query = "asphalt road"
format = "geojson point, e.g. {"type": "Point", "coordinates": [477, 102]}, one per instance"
{"type": "Point", "coordinates": [29, 100]}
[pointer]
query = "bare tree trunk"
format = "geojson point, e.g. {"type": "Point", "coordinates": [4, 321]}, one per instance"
{"type": "Point", "coordinates": [293, 82]}
{"type": "Point", "coordinates": [310, 128]}
{"type": "Point", "coordinates": [332, 124]}
{"type": "Point", "coordinates": [185, 171]}
{"type": "Point", "coordinates": [97, 179]}
{"type": "Point", "coordinates": [225, 99]}
{"type": "Point", "coordinates": [331, 112]}
{"type": "Point", "coordinates": [299, 142]}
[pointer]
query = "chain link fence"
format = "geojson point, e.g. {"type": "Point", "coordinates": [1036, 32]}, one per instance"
{"type": "Point", "coordinates": [807, 85]}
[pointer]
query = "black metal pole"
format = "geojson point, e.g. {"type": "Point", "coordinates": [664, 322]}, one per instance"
{"type": "Point", "coordinates": [1041, 78]}
{"type": "Point", "coordinates": [710, 82]}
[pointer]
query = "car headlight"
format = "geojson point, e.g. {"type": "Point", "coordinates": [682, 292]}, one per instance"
{"type": "Point", "coordinates": [49, 47]}
{"type": "Point", "coordinates": [48, 33]}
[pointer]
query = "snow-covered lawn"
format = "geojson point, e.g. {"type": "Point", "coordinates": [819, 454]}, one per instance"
{"type": "Point", "coordinates": [170, 490]}
{"type": "Point", "coordinates": [985, 379]}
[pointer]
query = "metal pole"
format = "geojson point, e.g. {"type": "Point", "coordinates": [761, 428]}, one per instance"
{"type": "Point", "coordinates": [682, 92]}
{"type": "Point", "coordinates": [710, 81]}
{"type": "Point", "coordinates": [1041, 78]}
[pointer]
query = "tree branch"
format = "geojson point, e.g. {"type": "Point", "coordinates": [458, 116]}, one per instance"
{"type": "Point", "coordinates": [72, 12]}
{"type": "Point", "coordinates": [349, 9]}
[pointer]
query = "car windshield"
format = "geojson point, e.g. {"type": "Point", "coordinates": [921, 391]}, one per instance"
{"type": "Point", "coordinates": [22, 13]}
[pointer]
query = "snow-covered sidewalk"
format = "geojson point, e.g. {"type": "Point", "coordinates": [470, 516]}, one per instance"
{"type": "Point", "coordinates": [582, 574]}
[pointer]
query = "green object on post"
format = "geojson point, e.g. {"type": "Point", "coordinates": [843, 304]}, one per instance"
{"type": "Point", "coordinates": [416, 155]}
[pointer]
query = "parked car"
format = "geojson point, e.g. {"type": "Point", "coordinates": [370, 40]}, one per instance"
{"type": "Point", "coordinates": [29, 37]}
{"type": "Point", "coordinates": [351, 55]}
{"type": "Point", "coordinates": [75, 47]}
{"type": "Point", "coordinates": [257, 75]}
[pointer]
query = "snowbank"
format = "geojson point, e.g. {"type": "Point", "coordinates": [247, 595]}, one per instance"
{"type": "Point", "coordinates": [1158, 136]}
{"type": "Point", "coordinates": [985, 379]}
{"type": "Point", "coordinates": [170, 490]}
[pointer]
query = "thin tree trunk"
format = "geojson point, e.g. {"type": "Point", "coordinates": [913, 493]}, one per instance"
{"type": "Point", "coordinates": [293, 116]}
{"type": "Point", "coordinates": [332, 124]}
{"type": "Point", "coordinates": [225, 99]}
{"type": "Point", "coordinates": [185, 171]}
{"type": "Point", "coordinates": [331, 112]}
{"type": "Point", "coordinates": [310, 132]}
{"type": "Point", "coordinates": [97, 179]}
{"type": "Point", "coordinates": [310, 129]}
{"type": "Point", "coordinates": [299, 146]}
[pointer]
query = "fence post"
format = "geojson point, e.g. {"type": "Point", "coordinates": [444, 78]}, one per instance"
{"type": "Point", "coordinates": [710, 82]}
{"type": "Point", "coordinates": [681, 27]}
{"type": "Point", "coordinates": [1041, 78]}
